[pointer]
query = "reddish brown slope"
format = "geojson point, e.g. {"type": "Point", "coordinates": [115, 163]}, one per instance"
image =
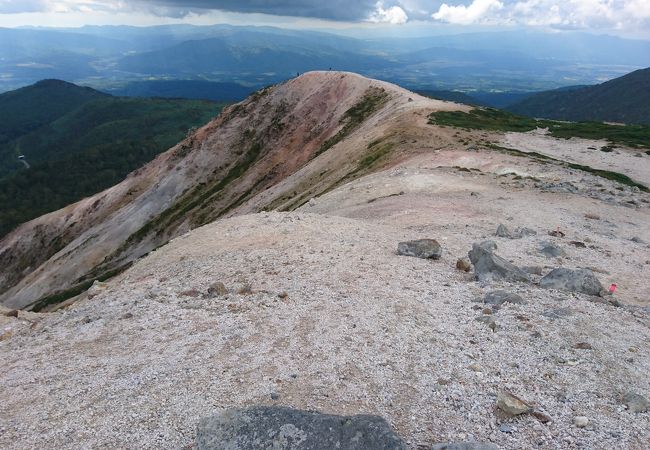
{"type": "Point", "coordinates": [301, 137]}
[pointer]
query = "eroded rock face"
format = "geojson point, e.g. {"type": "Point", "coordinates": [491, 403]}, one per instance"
{"type": "Point", "coordinates": [491, 267]}
{"type": "Point", "coordinates": [575, 280]}
{"type": "Point", "coordinates": [421, 248]}
{"type": "Point", "coordinates": [262, 427]}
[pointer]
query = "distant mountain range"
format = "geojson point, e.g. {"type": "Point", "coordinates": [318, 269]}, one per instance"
{"type": "Point", "coordinates": [625, 99]}
{"type": "Point", "coordinates": [194, 89]}
{"type": "Point", "coordinates": [111, 58]}
{"type": "Point", "coordinates": [60, 142]}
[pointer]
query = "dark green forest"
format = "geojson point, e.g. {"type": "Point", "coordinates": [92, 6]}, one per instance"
{"type": "Point", "coordinates": [76, 151]}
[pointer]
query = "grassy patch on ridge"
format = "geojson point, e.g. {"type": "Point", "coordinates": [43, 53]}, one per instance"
{"type": "Point", "coordinates": [636, 136]}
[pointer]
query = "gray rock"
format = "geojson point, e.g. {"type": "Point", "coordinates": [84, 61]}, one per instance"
{"type": "Point", "coordinates": [464, 446]}
{"type": "Point", "coordinates": [575, 280]}
{"type": "Point", "coordinates": [421, 248]}
{"type": "Point", "coordinates": [580, 421]}
{"type": "Point", "coordinates": [511, 404]}
{"type": "Point", "coordinates": [520, 232]}
{"type": "Point", "coordinates": [551, 250]}
{"type": "Point", "coordinates": [489, 321]}
{"type": "Point", "coordinates": [638, 240]}
{"type": "Point", "coordinates": [491, 267]}
{"type": "Point", "coordinates": [636, 403]}
{"type": "Point", "coordinates": [500, 297]}
{"type": "Point", "coordinates": [558, 313]}
{"type": "Point", "coordinates": [533, 270]}
{"type": "Point", "coordinates": [463, 264]}
{"type": "Point", "coordinates": [264, 427]}
{"type": "Point", "coordinates": [502, 231]}
{"type": "Point", "coordinates": [524, 231]}
{"type": "Point", "coordinates": [217, 289]}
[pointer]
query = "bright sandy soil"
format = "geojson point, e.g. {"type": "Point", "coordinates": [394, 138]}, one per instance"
{"type": "Point", "coordinates": [322, 312]}
{"type": "Point", "coordinates": [361, 329]}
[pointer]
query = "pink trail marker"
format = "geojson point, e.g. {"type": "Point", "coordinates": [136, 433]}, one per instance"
{"type": "Point", "coordinates": [612, 288]}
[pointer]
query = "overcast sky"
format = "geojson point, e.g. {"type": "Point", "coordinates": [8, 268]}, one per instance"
{"type": "Point", "coordinates": [623, 17]}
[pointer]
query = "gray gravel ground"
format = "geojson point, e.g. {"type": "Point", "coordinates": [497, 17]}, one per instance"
{"type": "Point", "coordinates": [360, 330]}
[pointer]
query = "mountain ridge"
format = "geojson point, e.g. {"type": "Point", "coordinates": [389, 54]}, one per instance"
{"type": "Point", "coordinates": [625, 99]}
{"type": "Point", "coordinates": [269, 140]}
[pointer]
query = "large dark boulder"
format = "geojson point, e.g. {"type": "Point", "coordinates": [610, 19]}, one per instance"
{"type": "Point", "coordinates": [273, 427]}
{"type": "Point", "coordinates": [421, 248]}
{"type": "Point", "coordinates": [575, 280]}
{"type": "Point", "coordinates": [491, 267]}
{"type": "Point", "coordinates": [464, 446]}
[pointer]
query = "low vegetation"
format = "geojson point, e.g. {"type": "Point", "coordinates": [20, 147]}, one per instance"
{"type": "Point", "coordinates": [373, 99]}
{"type": "Point", "coordinates": [636, 136]}
{"type": "Point", "coordinates": [607, 174]}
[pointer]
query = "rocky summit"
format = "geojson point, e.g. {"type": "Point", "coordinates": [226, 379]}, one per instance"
{"type": "Point", "coordinates": [318, 266]}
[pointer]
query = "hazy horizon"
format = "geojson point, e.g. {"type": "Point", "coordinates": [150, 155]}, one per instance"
{"type": "Point", "coordinates": [407, 18]}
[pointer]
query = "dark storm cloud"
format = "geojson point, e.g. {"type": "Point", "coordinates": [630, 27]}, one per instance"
{"type": "Point", "coordinates": [340, 10]}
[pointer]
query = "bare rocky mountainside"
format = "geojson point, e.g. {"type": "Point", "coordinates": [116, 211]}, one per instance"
{"type": "Point", "coordinates": [326, 246]}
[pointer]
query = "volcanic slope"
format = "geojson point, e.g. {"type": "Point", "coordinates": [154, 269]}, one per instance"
{"type": "Point", "coordinates": [310, 134]}
{"type": "Point", "coordinates": [313, 308]}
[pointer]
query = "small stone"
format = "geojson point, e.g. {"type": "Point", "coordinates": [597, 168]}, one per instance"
{"type": "Point", "coordinates": [421, 248]}
{"type": "Point", "coordinates": [283, 294]}
{"type": "Point", "coordinates": [487, 311]}
{"type": "Point", "coordinates": [505, 428]}
{"type": "Point", "coordinates": [511, 404]}
{"type": "Point", "coordinates": [583, 346]}
{"type": "Point", "coordinates": [500, 297]}
{"type": "Point", "coordinates": [551, 250]}
{"type": "Point", "coordinates": [463, 264]}
{"type": "Point", "coordinates": [580, 421]}
{"type": "Point", "coordinates": [635, 403]}
{"type": "Point", "coordinates": [544, 418]}
{"type": "Point", "coordinates": [127, 316]}
{"type": "Point", "coordinates": [6, 335]}
{"type": "Point", "coordinates": [489, 321]}
{"type": "Point", "coordinates": [502, 231]}
{"type": "Point", "coordinates": [592, 216]}
{"type": "Point", "coordinates": [475, 367]}
{"type": "Point", "coordinates": [12, 313]}
{"type": "Point", "coordinates": [578, 244]}
{"type": "Point", "coordinates": [638, 240]}
{"type": "Point", "coordinates": [217, 289]}
{"type": "Point", "coordinates": [96, 288]}
{"type": "Point", "coordinates": [274, 396]}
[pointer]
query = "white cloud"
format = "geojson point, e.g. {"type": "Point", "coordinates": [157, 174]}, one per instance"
{"type": "Point", "coordinates": [393, 14]}
{"type": "Point", "coordinates": [476, 12]}
{"type": "Point", "coordinates": [594, 15]}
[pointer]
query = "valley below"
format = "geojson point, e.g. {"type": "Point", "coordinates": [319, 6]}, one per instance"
{"type": "Point", "coordinates": [256, 263]}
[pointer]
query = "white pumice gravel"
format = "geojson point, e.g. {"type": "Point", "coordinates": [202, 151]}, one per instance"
{"type": "Point", "coordinates": [361, 330]}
